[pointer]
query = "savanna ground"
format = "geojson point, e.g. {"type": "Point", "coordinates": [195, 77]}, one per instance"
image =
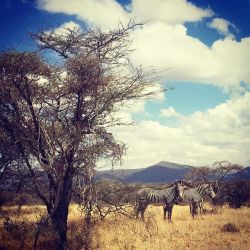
{"type": "Point", "coordinates": [120, 232]}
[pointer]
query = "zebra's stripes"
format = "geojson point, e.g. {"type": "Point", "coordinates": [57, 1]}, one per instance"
{"type": "Point", "coordinates": [194, 197]}
{"type": "Point", "coordinates": [166, 197]}
{"type": "Point", "coordinates": [156, 197]}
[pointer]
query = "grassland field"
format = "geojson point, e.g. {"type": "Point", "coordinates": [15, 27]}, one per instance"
{"type": "Point", "coordinates": [118, 232]}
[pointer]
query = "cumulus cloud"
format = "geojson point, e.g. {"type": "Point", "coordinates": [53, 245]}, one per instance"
{"type": "Point", "coordinates": [226, 63]}
{"type": "Point", "coordinates": [200, 138]}
{"type": "Point", "coordinates": [222, 26]}
{"type": "Point", "coordinates": [63, 29]}
{"type": "Point", "coordinates": [170, 112]}
{"type": "Point", "coordinates": [104, 13]}
{"type": "Point", "coordinates": [170, 11]}
{"type": "Point", "coordinates": [107, 13]}
{"type": "Point", "coordinates": [128, 108]}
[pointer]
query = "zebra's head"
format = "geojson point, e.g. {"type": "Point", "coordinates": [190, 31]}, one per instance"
{"type": "Point", "coordinates": [179, 190]}
{"type": "Point", "coordinates": [210, 191]}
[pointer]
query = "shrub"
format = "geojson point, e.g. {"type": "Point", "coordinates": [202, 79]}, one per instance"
{"type": "Point", "coordinates": [235, 193]}
{"type": "Point", "coordinates": [229, 228]}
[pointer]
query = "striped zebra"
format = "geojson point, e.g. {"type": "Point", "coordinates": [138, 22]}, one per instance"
{"type": "Point", "coordinates": [194, 197]}
{"type": "Point", "coordinates": [166, 197]}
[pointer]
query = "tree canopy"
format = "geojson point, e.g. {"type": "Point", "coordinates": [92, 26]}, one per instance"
{"type": "Point", "coordinates": [55, 116]}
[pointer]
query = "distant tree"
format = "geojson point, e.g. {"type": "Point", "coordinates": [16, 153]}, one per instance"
{"type": "Point", "coordinates": [221, 169]}
{"type": "Point", "coordinates": [55, 117]}
{"type": "Point", "coordinates": [235, 193]}
{"type": "Point", "coordinates": [215, 174]}
{"type": "Point", "coordinates": [199, 174]}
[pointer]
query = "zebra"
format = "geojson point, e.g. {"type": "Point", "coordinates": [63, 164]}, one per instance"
{"type": "Point", "coordinates": [194, 197]}
{"type": "Point", "coordinates": [167, 197]}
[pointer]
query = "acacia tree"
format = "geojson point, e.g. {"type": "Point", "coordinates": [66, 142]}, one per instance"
{"type": "Point", "coordinates": [199, 174]}
{"type": "Point", "coordinates": [221, 169]}
{"type": "Point", "coordinates": [56, 116]}
{"type": "Point", "coordinates": [216, 173]}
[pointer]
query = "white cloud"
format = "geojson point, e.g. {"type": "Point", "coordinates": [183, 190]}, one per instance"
{"type": "Point", "coordinates": [129, 108]}
{"type": "Point", "coordinates": [103, 13]}
{"type": "Point", "coordinates": [226, 63]}
{"type": "Point", "coordinates": [200, 139]}
{"type": "Point", "coordinates": [126, 110]}
{"type": "Point", "coordinates": [170, 11]}
{"type": "Point", "coordinates": [170, 112]}
{"type": "Point", "coordinates": [63, 29]}
{"type": "Point", "coordinates": [158, 90]}
{"type": "Point", "coordinates": [222, 26]}
{"type": "Point", "coordinates": [107, 13]}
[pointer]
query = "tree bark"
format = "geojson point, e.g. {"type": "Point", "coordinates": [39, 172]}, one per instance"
{"type": "Point", "coordinates": [59, 220]}
{"type": "Point", "coordinates": [59, 215]}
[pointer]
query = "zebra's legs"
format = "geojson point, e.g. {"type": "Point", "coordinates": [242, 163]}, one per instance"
{"type": "Point", "coordinates": [194, 207]}
{"type": "Point", "coordinates": [165, 209]}
{"type": "Point", "coordinates": [168, 208]}
{"type": "Point", "coordinates": [193, 210]}
{"type": "Point", "coordinates": [201, 208]}
{"type": "Point", "coordinates": [142, 215]}
{"type": "Point", "coordinates": [141, 209]}
{"type": "Point", "coordinates": [137, 213]}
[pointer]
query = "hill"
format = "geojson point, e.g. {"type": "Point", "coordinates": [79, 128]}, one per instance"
{"type": "Point", "coordinates": [243, 174]}
{"type": "Point", "coordinates": [162, 172]}
{"type": "Point", "coordinates": [117, 175]}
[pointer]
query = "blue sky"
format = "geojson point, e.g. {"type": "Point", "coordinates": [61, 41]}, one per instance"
{"type": "Point", "coordinates": [237, 12]}
{"type": "Point", "coordinates": [206, 45]}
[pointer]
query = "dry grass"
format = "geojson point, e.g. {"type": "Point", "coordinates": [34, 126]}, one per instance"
{"type": "Point", "coordinates": [119, 232]}
{"type": "Point", "coordinates": [184, 233]}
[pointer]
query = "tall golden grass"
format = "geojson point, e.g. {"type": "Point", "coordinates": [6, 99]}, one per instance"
{"type": "Point", "coordinates": [184, 233]}
{"type": "Point", "coordinates": [120, 232]}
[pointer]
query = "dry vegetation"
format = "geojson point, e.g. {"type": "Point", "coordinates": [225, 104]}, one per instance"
{"type": "Point", "coordinates": [118, 232]}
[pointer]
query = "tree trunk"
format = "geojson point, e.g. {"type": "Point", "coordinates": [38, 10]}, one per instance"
{"type": "Point", "coordinates": [59, 220]}
{"type": "Point", "coordinates": [59, 215]}
{"type": "Point", "coordinates": [88, 193]}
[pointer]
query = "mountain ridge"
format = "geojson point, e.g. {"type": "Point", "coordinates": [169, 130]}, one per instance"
{"type": "Point", "coordinates": [160, 172]}
{"type": "Point", "coordinates": [243, 174]}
